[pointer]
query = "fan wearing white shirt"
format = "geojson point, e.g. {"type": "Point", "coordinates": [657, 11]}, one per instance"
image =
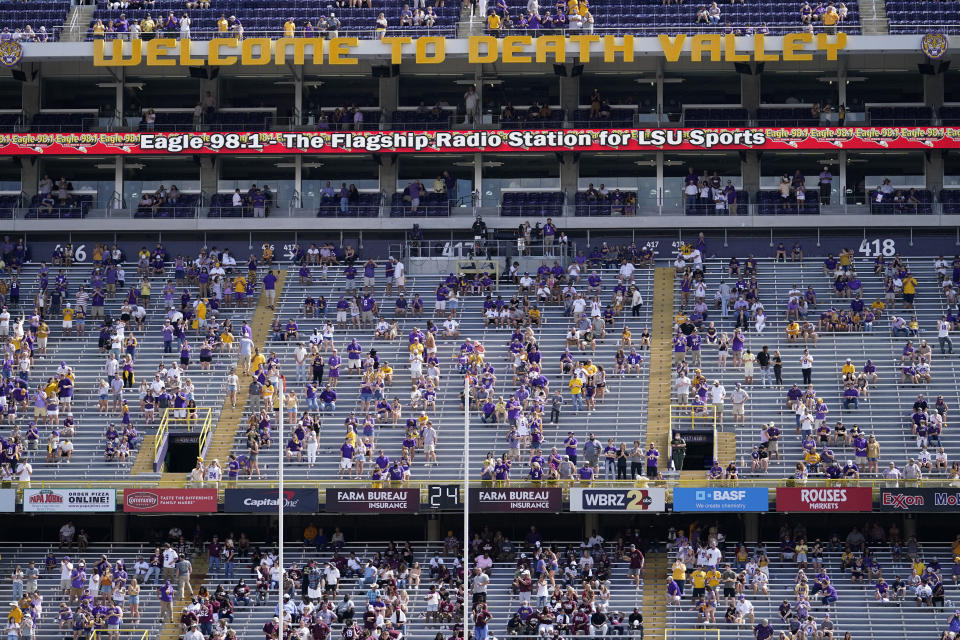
{"type": "Point", "coordinates": [300, 357]}
{"type": "Point", "coordinates": [451, 328]}
{"type": "Point", "coordinates": [626, 272]}
{"type": "Point", "coordinates": [399, 278]}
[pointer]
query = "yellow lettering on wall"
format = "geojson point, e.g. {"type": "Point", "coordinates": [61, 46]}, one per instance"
{"type": "Point", "coordinates": [759, 54]}
{"type": "Point", "coordinates": [158, 50]}
{"type": "Point", "coordinates": [611, 48]}
{"type": "Point", "coordinates": [824, 44]}
{"type": "Point", "coordinates": [185, 59]}
{"type": "Point", "coordinates": [300, 46]}
{"type": "Point", "coordinates": [730, 49]}
{"type": "Point", "coordinates": [439, 53]}
{"type": "Point", "coordinates": [481, 55]}
{"type": "Point", "coordinates": [793, 46]}
{"type": "Point", "coordinates": [584, 42]}
{"type": "Point", "coordinates": [513, 49]}
{"type": "Point", "coordinates": [672, 46]}
{"type": "Point", "coordinates": [255, 52]}
{"type": "Point", "coordinates": [708, 42]}
{"type": "Point", "coordinates": [556, 46]}
{"type": "Point", "coordinates": [339, 52]}
{"type": "Point", "coordinates": [396, 48]}
{"type": "Point", "coordinates": [165, 52]}
{"type": "Point", "coordinates": [116, 58]}
{"type": "Point", "coordinates": [215, 59]}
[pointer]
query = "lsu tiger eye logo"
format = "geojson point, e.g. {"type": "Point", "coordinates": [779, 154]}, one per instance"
{"type": "Point", "coordinates": [10, 53]}
{"type": "Point", "coordinates": [934, 45]}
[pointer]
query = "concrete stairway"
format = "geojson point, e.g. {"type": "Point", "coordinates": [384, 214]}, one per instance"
{"type": "Point", "coordinates": [658, 394]}
{"type": "Point", "coordinates": [655, 598]}
{"type": "Point", "coordinates": [77, 23]}
{"type": "Point", "coordinates": [873, 17]}
{"type": "Point", "coordinates": [171, 630]}
{"type": "Point", "coordinates": [231, 418]}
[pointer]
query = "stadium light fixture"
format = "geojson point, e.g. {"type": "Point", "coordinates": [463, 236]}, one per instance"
{"type": "Point", "coordinates": [126, 85]}
{"type": "Point", "coordinates": [126, 165]}
{"type": "Point", "coordinates": [488, 164]}
{"type": "Point", "coordinates": [291, 165]}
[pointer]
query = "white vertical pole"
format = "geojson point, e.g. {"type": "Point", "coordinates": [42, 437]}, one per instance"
{"type": "Point", "coordinates": [466, 507]}
{"type": "Point", "coordinates": [280, 436]}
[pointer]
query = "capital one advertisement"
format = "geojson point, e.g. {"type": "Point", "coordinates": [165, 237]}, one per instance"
{"type": "Point", "coordinates": [267, 500]}
{"type": "Point", "coordinates": [824, 499]}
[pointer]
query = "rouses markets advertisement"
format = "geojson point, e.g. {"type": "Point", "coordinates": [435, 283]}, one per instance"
{"type": "Point", "coordinates": [494, 140]}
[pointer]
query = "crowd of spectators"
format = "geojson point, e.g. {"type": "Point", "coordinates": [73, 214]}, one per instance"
{"type": "Point", "coordinates": [571, 16]}
{"type": "Point", "coordinates": [833, 451]}
{"type": "Point", "coordinates": [192, 331]}
{"type": "Point", "coordinates": [26, 34]}
{"type": "Point", "coordinates": [556, 590]}
{"type": "Point", "coordinates": [707, 195]}
{"type": "Point", "coordinates": [595, 308]}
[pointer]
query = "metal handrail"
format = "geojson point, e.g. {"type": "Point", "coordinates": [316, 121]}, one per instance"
{"type": "Point", "coordinates": [160, 438]}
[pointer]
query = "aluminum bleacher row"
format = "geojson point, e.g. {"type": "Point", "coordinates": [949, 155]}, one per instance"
{"type": "Point", "coordinates": [258, 19]}
{"type": "Point", "coordinates": [885, 413]}
{"type": "Point", "coordinates": [83, 356]}
{"type": "Point", "coordinates": [856, 611]}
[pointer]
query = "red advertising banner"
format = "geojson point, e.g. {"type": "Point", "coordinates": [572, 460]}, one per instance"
{"type": "Point", "coordinates": [824, 499]}
{"type": "Point", "coordinates": [170, 500]}
{"type": "Point", "coordinates": [490, 141]}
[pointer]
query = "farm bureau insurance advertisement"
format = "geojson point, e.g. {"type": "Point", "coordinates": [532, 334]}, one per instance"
{"type": "Point", "coordinates": [507, 500]}
{"type": "Point", "coordinates": [402, 500]}
{"type": "Point", "coordinates": [170, 500]}
{"type": "Point", "coordinates": [494, 140]}
{"type": "Point", "coordinates": [69, 500]}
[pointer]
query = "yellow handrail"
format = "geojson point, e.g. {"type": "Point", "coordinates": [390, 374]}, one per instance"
{"type": "Point", "coordinates": [161, 436]}
{"type": "Point", "coordinates": [203, 417]}
{"type": "Point", "coordinates": [205, 431]}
